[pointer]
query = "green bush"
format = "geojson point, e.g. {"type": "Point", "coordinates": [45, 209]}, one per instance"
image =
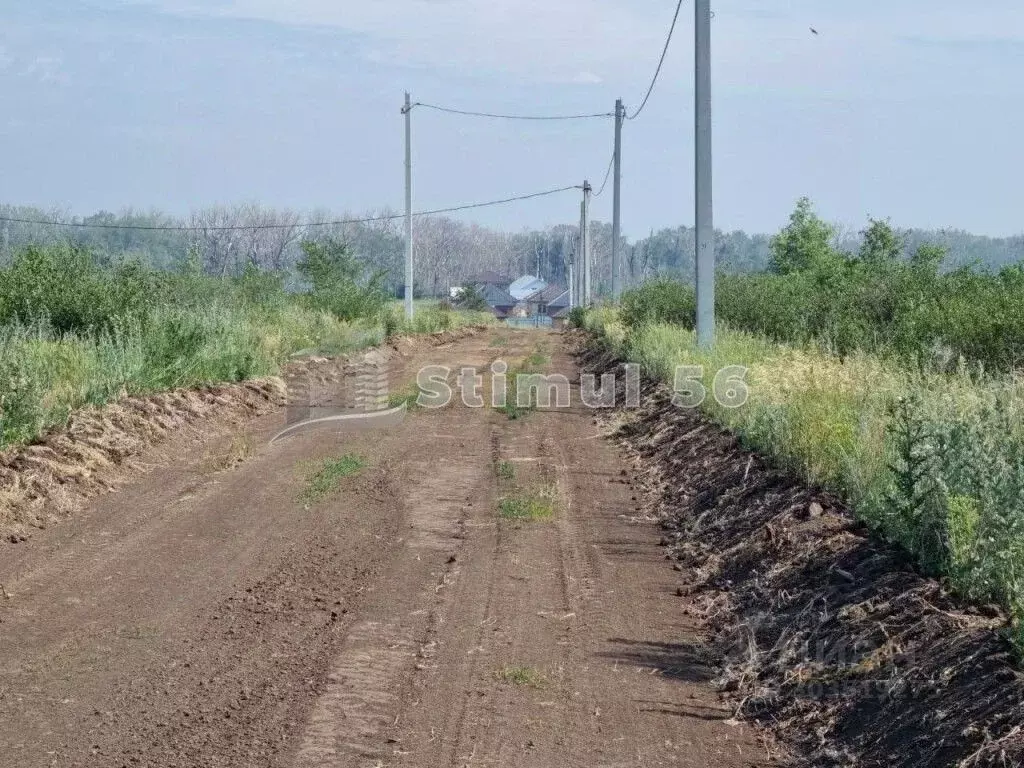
{"type": "Point", "coordinates": [660, 301]}
{"type": "Point", "coordinates": [577, 317]}
{"type": "Point", "coordinates": [933, 461]}
{"type": "Point", "coordinates": [76, 332]}
{"type": "Point", "coordinates": [472, 300]}
{"type": "Point", "coordinates": [341, 284]}
{"type": "Point", "coordinates": [881, 300]}
{"type": "Point", "coordinates": [66, 288]}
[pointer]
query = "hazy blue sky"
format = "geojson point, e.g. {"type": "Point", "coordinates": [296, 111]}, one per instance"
{"type": "Point", "coordinates": [911, 109]}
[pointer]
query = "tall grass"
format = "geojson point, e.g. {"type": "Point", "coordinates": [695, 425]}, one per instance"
{"type": "Point", "coordinates": [45, 374]}
{"type": "Point", "coordinates": [75, 333]}
{"type": "Point", "coordinates": [932, 461]}
{"type": "Point", "coordinates": [432, 317]}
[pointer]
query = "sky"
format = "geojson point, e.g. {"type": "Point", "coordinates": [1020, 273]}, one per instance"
{"type": "Point", "coordinates": [911, 110]}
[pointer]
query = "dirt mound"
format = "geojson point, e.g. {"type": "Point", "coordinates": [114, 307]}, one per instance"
{"type": "Point", "coordinates": [828, 637]}
{"type": "Point", "coordinates": [406, 344]}
{"type": "Point", "coordinates": [44, 482]}
{"type": "Point", "coordinates": [99, 448]}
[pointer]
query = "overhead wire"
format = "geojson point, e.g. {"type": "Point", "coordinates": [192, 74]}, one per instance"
{"type": "Point", "coordinates": [252, 227]}
{"type": "Point", "coordinates": [607, 175]}
{"type": "Point", "coordinates": [661, 63]}
{"type": "Point", "coordinates": [633, 116]}
{"type": "Point", "coordinates": [498, 116]}
{"type": "Point", "coordinates": [391, 217]}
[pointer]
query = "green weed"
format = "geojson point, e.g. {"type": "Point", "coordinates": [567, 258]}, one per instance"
{"type": "Point", "coordinates": [409, 397]}
{"type": "Point", "coordinates": [328, 477]}
{"type": "Point", "coordinates": [531, 364]}
{"type": "Point", "coordinates": [528, 507]}
{"type": "Point", "coordinates": [521, 676]}
{"type": "Point", "coordinates": [75, 331]}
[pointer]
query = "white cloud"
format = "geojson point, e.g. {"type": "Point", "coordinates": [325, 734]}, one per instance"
{"type": "Point", "coordinates": [588, 78]}
{"type": "Point", "coordinates": [47, 69]}
{"type": "Point", "coordinates": [860, 50]}
{"type": "Point", "coordinates": [538, 40]}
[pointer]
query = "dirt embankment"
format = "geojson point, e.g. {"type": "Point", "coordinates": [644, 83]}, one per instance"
{"type": "Point", "coordinates": [831, 639]}
{"type": "Point", "coordinates": [99, 449]}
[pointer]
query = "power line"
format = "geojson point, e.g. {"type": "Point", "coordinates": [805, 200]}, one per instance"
{"type": "Point", "coordinates": [240, 227]}
{"type": "Point", "coordinates": [661, 63]}
{"type": "Point", "coordinates": [512, 117]}
{"type": "Point", "coordinates": [607, 175]}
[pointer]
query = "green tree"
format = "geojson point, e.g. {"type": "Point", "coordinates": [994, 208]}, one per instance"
{"type": "Point", "coordinates": [882, 244]}
{"type": "Point", "coordinates": [928, 258]}
{"type": "Point", "coordinates": [806, 243]}
{"type": "Point", "coordinates": [341, 284]}
{"type": "Point", "coordinates": [471, 299]}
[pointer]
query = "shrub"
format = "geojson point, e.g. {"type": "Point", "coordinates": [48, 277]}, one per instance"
{"type": "Point", "coordinates": [577, 317]}
{"type": "Point", "coordinates": [660, 301]}
{"type": "Point", "coordinates": [74, 332]}
{"type": "Point", "coordinates": [341, 284]}
{"type": "Point", "coordinates": [933, 461]}
{"type": "Point", "coordinates": [881, 300]}
{"type": "Point", "coordinates": [472, 300]}
{"type": "Point", "coordinates": [66, 288]}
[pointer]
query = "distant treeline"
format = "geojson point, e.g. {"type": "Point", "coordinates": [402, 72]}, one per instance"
{"type": "Point", "coordinates": [890, 296]}
{"type": "Point", "coordinates": [447, 251]}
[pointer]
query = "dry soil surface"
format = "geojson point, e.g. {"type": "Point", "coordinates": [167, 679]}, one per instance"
{"type": "Point", "coordinates": [207, 614]}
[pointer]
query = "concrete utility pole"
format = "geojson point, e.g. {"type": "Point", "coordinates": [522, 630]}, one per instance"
{"type": "Point", "coordinates": [588, 267]}
{"type": "Point", "coordinates": [705, 256]}
{"type": "Point", "coordinates": [580, 251]}
{"type": "Point", "coordinates": [572, 286]}
{"type": "Point", "coordinates": [409, 276]}
{"type": "Point", "coordinates": [620, 111]}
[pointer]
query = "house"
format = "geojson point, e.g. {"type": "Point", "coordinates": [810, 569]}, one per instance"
{"type": "Point", "coordinates": [526, 286]}
{"type": "Point", "coordinates": [498, 299]}
{"type": "Point", "coordinates": [547, 301]}
{"type": "Point", "coordinates": [540, 308]}
{"type": "Point", "coordinates": [480, 281]}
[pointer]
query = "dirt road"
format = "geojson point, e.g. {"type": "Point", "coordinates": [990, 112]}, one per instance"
{"type": "Point", "coordinates": [417, 616]}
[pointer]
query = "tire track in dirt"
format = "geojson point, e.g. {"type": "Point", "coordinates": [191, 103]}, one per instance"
{"type": "Point", "coordinates": [396, 637]}
{"type": "Point", "coordinates": [571, 600]}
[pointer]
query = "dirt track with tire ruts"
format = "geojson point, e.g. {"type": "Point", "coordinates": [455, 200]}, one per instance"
{"type": "Point", "coordinates": [205, 614]}
{"type": "Point", "coordinates": [680, 603]}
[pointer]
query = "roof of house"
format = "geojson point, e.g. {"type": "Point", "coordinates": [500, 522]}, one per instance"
{"type": "Point", "coordinates": [495, 296]}
{"type": "Point", "coordinates": [489, 277]}
{"type": "Point", "coordinates": [552, 295]}
{"type": "Point", "coordinates": [526, 286]}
